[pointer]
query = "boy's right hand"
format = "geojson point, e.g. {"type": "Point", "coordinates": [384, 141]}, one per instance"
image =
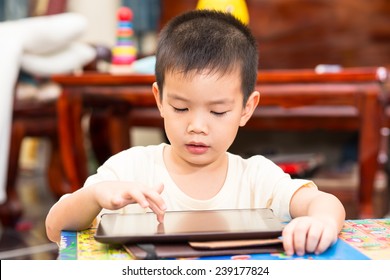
{"type": "Point", "coordinates": [116, 195]}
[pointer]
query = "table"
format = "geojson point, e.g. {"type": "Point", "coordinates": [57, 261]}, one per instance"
{"type": "Point", "coordinates": [353, 99]}
{"type": "Point", "coordinates": [358, 240]}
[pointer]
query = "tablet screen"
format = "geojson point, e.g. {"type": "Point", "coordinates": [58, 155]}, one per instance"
{"type": "Point", "coordinates": [189, 226]}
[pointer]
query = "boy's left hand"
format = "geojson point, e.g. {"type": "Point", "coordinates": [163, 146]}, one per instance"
{"type": "Point", "coordinates": [309, 234]}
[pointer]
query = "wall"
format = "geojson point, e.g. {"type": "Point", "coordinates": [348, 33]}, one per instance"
{"type": "Point", "coordinates": [101, 16]}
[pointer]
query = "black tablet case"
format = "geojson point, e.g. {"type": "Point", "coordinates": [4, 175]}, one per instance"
{"type": "Point", "coordinates": [185, 250]}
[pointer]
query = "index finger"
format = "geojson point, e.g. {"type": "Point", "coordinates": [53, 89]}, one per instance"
{"type": "Point", "coordinates": [155, 198]}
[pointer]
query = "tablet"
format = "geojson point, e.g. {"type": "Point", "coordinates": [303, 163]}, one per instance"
{"type": "Point", "coordinates": [179, 226]}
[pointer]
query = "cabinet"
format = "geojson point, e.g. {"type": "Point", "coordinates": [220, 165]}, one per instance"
{"type": "Point", "coordinates": [305, 33]}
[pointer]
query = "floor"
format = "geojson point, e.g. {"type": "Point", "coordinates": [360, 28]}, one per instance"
{"type": "Point", "coordinates": [27, 240]}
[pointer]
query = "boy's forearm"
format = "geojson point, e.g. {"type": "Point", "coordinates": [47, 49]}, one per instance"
{"type": "Point", "coordinates": [327, 206]}
{"type": "Point", "coordinates": [310, 202]}
{"type": "Point", "coordinates": [74, 212]}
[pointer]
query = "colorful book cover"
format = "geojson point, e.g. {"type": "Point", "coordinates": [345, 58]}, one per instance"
{"type": "Point", "coordinates": [83, 246]}
{"type": "Point", "coordinates": [358, 240]}
{"type": "Point", "coordinates": [370, 236]}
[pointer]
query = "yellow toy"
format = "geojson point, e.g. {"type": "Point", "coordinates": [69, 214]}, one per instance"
{"type": "Point", "coordinates": [238, 8]}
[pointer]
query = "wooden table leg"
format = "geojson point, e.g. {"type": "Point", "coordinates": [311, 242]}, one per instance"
{"type": "Point", "coordinates": [11, 210]}
{"type": "Point", "coordinates": [369, 145]}
{"type": "Point", "coordinates": [72, 148]}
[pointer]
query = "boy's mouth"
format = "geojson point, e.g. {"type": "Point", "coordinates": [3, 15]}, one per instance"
{"type": "Point", "coordinates": [197, 148]}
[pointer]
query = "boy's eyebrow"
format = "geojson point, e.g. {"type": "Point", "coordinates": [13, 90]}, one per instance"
{"type": "Point", "coordinates": [177, 97]}
{"type": "Point", "coordinates": [222, 101]}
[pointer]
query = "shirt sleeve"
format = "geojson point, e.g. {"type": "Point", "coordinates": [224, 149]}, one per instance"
{"type": "Point", "coordinates": [273, 185]}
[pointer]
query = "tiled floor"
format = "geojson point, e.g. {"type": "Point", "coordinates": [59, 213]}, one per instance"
{"type": "Point", "coordinates": [28, 239]}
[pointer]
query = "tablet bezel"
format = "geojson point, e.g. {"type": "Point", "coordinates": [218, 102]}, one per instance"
{"type": "Point", "coordinates": [106, 230]}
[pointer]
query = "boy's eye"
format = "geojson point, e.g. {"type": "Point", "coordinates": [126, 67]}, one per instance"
{"type": "Point", "coordinates": [218, 113]}
{"type": "Point", "coordinates": [180, 110]}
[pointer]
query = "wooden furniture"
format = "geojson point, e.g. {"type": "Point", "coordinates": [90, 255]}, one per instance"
{"type": "Point", "coordinates": [294, 34]}
{"type": "Point", "coordinates": [351, 100]}
{"type": "Point", "coordinates": [33, 118]}
{"type": "Point", "coordinates": [38, 118]}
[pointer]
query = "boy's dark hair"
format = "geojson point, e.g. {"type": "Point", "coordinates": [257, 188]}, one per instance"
{"type": "Point", "coordinates": [207, 40]}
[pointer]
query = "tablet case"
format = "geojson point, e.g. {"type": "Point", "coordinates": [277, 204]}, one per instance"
{"type": "Point", "coordinates": [186, 250]}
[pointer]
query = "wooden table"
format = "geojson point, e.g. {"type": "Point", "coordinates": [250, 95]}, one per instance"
{"type": "Point", "coordinates": [295, 100]}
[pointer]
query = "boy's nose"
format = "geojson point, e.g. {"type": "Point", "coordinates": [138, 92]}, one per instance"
{"type": "Point", "coordinates": [197, 124]}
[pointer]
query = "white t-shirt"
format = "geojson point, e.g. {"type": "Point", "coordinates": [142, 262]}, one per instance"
{"type": "Point", "coordinates": [250, 183]}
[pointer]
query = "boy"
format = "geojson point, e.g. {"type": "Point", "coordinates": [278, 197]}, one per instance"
{"type": "Point", "coordinates": [206, 68]}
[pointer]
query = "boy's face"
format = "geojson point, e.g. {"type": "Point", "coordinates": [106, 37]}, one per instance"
{"type": "Point", "coordinates": [202, 114]}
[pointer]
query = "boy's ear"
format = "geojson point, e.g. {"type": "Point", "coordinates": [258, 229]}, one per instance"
{"type": "Point", "coordinates": [156, 93]}
{"type": "Point", "coordinates": [250, 106]}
